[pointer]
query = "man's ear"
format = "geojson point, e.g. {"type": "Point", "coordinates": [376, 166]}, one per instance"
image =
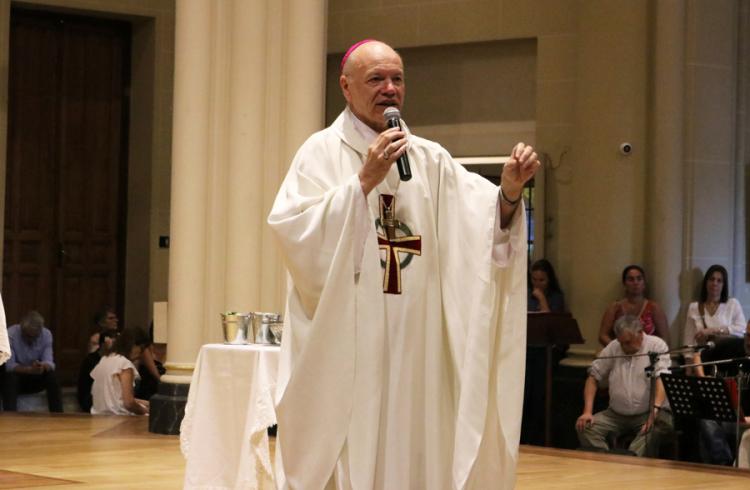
{"type": "Point", "coordinates": [344, 84]}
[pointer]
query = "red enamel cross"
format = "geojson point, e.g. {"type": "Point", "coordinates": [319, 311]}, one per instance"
{"type": "Point", "coordinates": [393, 245]}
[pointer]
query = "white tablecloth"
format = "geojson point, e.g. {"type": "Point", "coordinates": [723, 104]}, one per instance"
{"type": "Point", "coordinates": [223, 436]}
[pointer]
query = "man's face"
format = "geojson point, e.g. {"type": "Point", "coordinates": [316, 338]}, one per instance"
{"type": "Point", "coordinates": [30, 332]}
{"type": "Point", "coordinates": [630, 342]}
{"type": "Point", "coordinates": [110, 321]}
{"type": "Point", "coordinates": [373, 80]}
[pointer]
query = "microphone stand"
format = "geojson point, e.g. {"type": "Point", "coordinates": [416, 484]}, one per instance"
{"type": "Point", "coordinates": [740, 386]}
{"type": "Point", "coordinates": [679, 350]}
{"type": "Point", "coordinates": [651, 375]}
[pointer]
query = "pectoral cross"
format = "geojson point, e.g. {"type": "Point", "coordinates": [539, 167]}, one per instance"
{"type": "Point", "coordinates": [394, 245]}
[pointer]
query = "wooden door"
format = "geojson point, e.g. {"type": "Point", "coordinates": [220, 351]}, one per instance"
{"type": "Point", "coordinates": [66, 174]}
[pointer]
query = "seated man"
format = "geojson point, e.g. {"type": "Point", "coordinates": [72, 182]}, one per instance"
{"type": "Point", "coordinates": [31, 367]}
{"type": "Point", "coordinates": [629, 411]}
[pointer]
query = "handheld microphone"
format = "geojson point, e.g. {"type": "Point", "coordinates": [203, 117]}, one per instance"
{"type": "Point", "coordinates": [393, 120]}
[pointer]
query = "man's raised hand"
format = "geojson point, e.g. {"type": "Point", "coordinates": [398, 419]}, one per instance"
{"type": "Point", "coordinates": [519, 169]}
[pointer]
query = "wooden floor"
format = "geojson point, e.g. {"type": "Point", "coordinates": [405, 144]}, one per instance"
{"type": "Point", "coordinates": [80, 451]}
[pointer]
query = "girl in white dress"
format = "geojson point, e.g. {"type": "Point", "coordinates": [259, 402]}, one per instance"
{"type": "Point", "coordinates": [115, 376]}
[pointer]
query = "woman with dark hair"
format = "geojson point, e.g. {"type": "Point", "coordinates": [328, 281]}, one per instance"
{"type": "Point", "coordinates": [545, 294]}
{"type": "Point", "coordinates": [634, 303]}
{"type": "Point", "coordinates": [115, 376]}
{"type": "Point", "coordinates": [106, 339]}
{"type": "Point", "coordinates": [716, 314]}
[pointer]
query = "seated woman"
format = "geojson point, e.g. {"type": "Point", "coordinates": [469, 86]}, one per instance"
{"type": "Point", "coordinates": [83, 392]}
{"type": "Point", "coordinates": [715, 315]}
{"type": "Point", "coordinates": [545, 294]}
{"type": "Point", "coordinates": [634, 303]}
{"type": "Point", "coordinates": [115, 375]}
{"type": "Point", "coordinates": [150, 370]}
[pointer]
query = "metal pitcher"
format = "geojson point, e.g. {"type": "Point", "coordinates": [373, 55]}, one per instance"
{"type": "Point", "coordinates": [236, 327]}
{"type": "Point", "coordinates": [264, 325]}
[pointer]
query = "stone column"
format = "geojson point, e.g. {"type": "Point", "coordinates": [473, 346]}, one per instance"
{"type": "Point", "coordinates": [249, 87]}
{"type": "Point", "coordinates": [665, 176]}
{"type": "Point", "coordinates": [190, 155]}
{"type": "Point", "coordinates": [190, 152]}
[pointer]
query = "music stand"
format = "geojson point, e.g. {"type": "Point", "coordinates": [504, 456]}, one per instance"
{"type": "Point", "coordinates": [547, 330]}
{"type": "Point", "coordinates": [690, 399]}
{"type": "Point", "coordinates": [703, 398]}
{"type": "Point", "coordinates": [740, 380]}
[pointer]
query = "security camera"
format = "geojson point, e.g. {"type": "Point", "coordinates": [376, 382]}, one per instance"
{"type": "Point", "coordinates": [626, 148]}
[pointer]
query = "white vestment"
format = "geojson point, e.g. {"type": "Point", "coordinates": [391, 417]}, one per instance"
{"type": "Point", "coordinates": [4, 341]}
{"type": "Point", "coordinates": [418, 390]}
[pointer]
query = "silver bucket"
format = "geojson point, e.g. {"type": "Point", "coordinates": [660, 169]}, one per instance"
{"type": "Point", "coordinates": [266, 328]}
{"type": "Point", "coordinates": [236, 327]}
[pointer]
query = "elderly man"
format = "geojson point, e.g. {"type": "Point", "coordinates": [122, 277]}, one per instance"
{"type": "Point", "coordinates": [31, 367]}
{"type": "Point", "coordinates": [402, 360]}
{"type": "Point", "coordinates": [622, 365]}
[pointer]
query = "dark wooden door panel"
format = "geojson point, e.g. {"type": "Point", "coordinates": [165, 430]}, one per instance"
{"type": "Point", "coordinates": [65, 206]}
{"type": "Point", "coordinates": [31, 169]}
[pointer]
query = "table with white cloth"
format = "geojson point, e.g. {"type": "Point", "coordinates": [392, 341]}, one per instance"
{"type": "Point", "coordinates": [224, 436]}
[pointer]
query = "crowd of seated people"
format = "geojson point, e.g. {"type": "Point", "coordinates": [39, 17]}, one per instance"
{"type": "Point", "coordinates": [121, 373]}
{"type": "Point", "coordinates": [630, 328]}
{"type": "Point", "coordinates": [27, 363]}
{"type": "Point", "coordinates": [104, 335]}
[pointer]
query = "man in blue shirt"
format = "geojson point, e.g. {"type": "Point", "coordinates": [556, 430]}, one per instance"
{"type": "Point", "coordinates": [31, 367]}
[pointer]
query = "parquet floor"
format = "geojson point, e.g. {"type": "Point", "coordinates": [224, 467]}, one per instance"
{"type": "Point", "coordinates": [80, 451]}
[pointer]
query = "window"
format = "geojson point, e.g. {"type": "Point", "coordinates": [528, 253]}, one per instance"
{"type": "Point", "coordinates": [491, 168]}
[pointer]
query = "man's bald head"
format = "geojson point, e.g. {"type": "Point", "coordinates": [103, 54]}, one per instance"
{"type": "Point", "coordinates": [365, 51]}
{"type": "Point", "coordinates": [372, 79]}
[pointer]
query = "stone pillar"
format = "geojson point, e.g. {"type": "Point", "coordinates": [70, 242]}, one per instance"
{"type": "Point", "coordinates": [245, 74]}
{"type": "Point", "coordinates": [665, 177]}
{"type": "Point", "coordinates": [190, 155]}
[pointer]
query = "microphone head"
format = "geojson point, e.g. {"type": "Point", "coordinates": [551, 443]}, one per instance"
{"type": "Point", "coordinates": [392, 113]}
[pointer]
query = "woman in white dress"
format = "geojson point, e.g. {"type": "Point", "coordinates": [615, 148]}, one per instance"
{"type": "Point", "coordinates": [715, 315]}
{"type": "Point", "coordinates": [115, 375]}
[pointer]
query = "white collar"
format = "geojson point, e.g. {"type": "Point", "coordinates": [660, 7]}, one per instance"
{"type": "Point", "coordinates": [366, 132]}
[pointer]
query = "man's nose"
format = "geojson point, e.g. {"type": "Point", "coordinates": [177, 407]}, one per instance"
{"type": "Point", "coordinates": [388, 86]}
